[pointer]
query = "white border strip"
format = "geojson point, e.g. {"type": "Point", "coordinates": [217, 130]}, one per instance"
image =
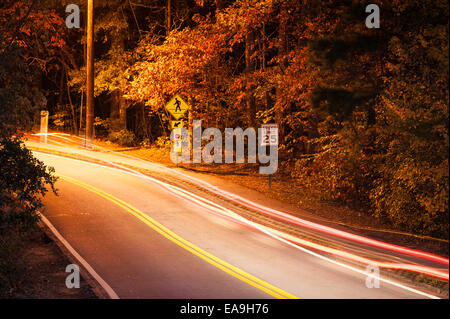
{"type": "Point", "coordinates": [111, 293]}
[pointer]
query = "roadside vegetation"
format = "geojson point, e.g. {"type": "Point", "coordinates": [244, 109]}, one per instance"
{"type": "Point", "coordinates": [23, 179]}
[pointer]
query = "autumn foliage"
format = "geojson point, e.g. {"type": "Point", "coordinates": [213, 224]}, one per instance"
{"type": "Point", "coordinates": [363, 113]}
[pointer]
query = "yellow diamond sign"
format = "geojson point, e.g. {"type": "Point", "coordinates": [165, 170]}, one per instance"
{"type": "Point", "coordinates": [177, 107]}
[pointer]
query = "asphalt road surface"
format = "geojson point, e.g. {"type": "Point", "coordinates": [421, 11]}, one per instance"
{"type": "Point", "coordinates": [146, 242]}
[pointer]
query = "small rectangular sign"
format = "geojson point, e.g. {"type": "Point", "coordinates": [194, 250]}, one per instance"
{"type": "Point", "coordinates": [177, 140]}
{"type": "Point", "coordinates": [269, 135]}
{"type": "Point", "coordinates": [44, 126]}
{"type": "Point", "coordinates": [177, 146]}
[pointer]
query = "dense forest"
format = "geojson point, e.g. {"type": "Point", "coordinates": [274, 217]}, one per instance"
{"type": "Point", "coordinates": [362, 112]}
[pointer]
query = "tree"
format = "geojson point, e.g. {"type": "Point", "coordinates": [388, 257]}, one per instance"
{"type": "Point", "coordinates": [24, 58]}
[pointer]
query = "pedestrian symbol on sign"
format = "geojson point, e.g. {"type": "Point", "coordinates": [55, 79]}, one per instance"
{"type": "Point", "coordinates": [177, 103]}
{"type": "Point", "coordinates": [177, 107]}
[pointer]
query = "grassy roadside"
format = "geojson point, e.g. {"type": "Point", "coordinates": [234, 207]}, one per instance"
{"type": "Point", "coordinates": [33, 267]}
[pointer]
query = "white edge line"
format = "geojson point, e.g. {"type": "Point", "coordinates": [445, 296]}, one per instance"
{"type": "Point", "coordinates": [277, 237]}
{"type": "Point", "coordinates": [264, 231]}
{"type": "Point", "coordinates": [220, 192]}
{"type": "Point", "coordinates": [111, 293]}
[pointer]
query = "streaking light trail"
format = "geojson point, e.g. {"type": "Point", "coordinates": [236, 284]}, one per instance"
{"type": "Point", "coordinates": [230, 215]}
{"type": "Point", "coordinates": [217, 209]}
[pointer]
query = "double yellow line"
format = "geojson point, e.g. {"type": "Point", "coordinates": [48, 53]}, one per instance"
{"type": "Point", "coordinates": [213, 260]}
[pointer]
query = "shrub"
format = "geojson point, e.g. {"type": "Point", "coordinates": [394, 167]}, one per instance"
{"type": "Point", "coordinates": [145, 143]}
{"type": "Point", "coordinates": [122, 137]}
{"type": "Point", "coordinates": [163, 142]}
{"type": "Point", "coordinates": [102, 126]}
{"type": "Point", "coordinates": [24, 180]}
{"type": "Point", "coordinates": [338, 172]}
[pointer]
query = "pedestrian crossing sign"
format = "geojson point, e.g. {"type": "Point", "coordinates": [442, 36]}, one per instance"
{"type": "Point", "coordinates": [177, 107]}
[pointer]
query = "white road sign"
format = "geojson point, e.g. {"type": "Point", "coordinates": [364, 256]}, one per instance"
{"type": "Point", "coordinates": [44, 126]}
{"type": "Point", "coordinates": [177, 140]}
{"type": "Point", "coordinates": [269, 135]}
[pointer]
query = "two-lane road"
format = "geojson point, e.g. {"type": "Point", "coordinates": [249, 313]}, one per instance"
{"type": "Point", "coordinates": [148, 243]}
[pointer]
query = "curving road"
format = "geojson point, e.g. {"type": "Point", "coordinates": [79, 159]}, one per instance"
{"type": "Point", "coordinates": [147, 242]}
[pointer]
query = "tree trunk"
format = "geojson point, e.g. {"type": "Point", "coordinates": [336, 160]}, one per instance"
{"type": "Point", "coordinates": [118, 111]}
{"type": "Point", "coordinates": [81, 111]}
{"type": "Point", "coordinates": [267, 99]}
{"type": "Point", "coordinates": [282, 50]}
{"type": "Point", "coordinates": [61, 89]}
{"type": "Point", "coordinates": [90, 73]}
{"type": "Point", "coordinates": [249, 68]}
{"type": "Point", "coordinates": [122, 112]}
{"type": "Point", "coordinates": [74, 117]}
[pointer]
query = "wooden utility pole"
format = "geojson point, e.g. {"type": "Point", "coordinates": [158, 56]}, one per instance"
{"type": "Point", "coordinates": [169, 15]}
{"type": "Point", "coordinates": [90, 73]}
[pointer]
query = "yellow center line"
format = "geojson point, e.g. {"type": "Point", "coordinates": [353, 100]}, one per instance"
{"type": "Point", "coordinates": [213, 260]}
